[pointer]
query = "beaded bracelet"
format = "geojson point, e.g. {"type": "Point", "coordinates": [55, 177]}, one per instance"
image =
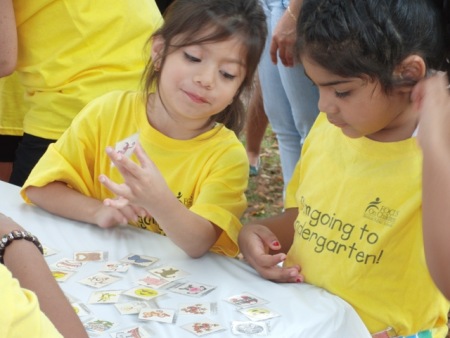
{"type": "Point", "coordinates": [18, 234]}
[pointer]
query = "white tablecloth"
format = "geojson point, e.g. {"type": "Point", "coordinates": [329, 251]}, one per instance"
{"type": "Point", "coordinates": [305, 310]}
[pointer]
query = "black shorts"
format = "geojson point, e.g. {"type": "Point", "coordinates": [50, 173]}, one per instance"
{"type": "Point", "coordinates": [30, 150]}
{"type": "Point", "coordinates": [8, 147]}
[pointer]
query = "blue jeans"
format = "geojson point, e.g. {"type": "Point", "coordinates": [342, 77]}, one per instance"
{"type": "Point", "coordinates": [290, 99]}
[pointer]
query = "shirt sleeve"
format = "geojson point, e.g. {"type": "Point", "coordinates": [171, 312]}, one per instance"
{"type": "Point", "coordinates": [20, 312]}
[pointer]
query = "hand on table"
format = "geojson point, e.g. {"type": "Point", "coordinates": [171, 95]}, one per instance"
{"type": "Point", "coordinates": [255, 242]}
{"type": "Point", "coordinates": [115, 212]}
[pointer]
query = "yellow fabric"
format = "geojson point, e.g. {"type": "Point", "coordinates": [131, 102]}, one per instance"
{"type": "Point", "coordinates": [20, 313]}
{"type": "Point", "coordinates": [71, 52]}
{"type": "Point", "coordinates": [12, 106]}
{"type": "Point", "coordinates": [208, 174]}
{"type": "Point", "coordinates": [359, 229]}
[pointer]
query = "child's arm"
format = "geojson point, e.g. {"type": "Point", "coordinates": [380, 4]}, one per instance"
{"type": "Point", "coordinates": [145, 187]}
{"type": "Point", "coordinates": [8, 39]}
{"type": "Point", "coordinates": [259, 242]}
{"type": "Point", "coordinates": [432, 99]}
{"type": "Point", "coordinates": [59, 199]}
{"type": "Point", "coordinates": [29, 267]}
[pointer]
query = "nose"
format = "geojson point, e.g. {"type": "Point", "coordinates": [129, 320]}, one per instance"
{"type": "Point", "coordinates": [326, 104]}
{"type": "Point", "coordinates": [205, 77]}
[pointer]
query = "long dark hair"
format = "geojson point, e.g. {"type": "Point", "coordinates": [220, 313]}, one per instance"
{"type": "Point", "coordinates": [371, 37]}
{"type": "Point", "coordinates": [244, 19]}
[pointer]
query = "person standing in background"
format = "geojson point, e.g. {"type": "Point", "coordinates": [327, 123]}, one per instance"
{"type": "Point", "coordinates": [70, 52]}
{"type": "Point", "coordinates": [290, 98]}
{"type": "Point", "coordinates": [12, 110]}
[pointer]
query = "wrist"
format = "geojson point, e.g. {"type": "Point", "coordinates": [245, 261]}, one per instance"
{"type": "Point", "coordinates": [291, 13]}
{"type": "Point", "coordinates": [14, 235]}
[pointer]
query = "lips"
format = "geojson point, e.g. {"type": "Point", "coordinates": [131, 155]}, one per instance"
{"type": "Point", "coordinates": [196, 98]}
{"type": "Point", "coordinates": [337, 123]}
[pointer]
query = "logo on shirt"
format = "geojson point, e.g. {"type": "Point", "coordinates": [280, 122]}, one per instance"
{"type": "Point", "coordinates": [380, 213]}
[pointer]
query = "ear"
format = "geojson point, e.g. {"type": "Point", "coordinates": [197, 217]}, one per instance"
{"type": "Point", "coordinates": [157, 47]}
{"type": "Point", "coordinates": [411, 70]}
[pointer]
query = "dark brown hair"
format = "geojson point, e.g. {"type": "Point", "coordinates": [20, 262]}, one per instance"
{"type": "Point", "coordinates": [190, 19]}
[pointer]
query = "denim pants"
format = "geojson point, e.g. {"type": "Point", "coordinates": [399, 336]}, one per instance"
{"type": "Point", "coordinates": [290, 98]}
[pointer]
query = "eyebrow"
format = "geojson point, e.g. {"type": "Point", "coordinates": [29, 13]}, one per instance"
{"type": "Point", "coordinates": [328, 84]}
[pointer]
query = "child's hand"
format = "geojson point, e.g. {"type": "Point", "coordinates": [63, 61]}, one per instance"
{"type": "Point", "coordinates": [255, 241]}
{"type": "Point", "coordinates": [431, 98]}
{"type": "Point", "coordinates": [107, 217]}
{"type": "Point", "coordinates": [144, 187]}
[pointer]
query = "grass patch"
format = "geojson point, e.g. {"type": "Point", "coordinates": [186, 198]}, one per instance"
{"type": "Point", "coordinates": [265, 191]}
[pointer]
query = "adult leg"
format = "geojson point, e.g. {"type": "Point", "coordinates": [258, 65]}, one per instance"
{"type": "Point", "coordinates": [255, 129]}
{"type": "Point", "coordinates": [276, 102]}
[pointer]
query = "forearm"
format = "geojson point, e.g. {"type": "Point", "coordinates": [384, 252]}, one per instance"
{"type": "Point", "coordinates": [8, 38]}
{"type": "Point", "coordinates": [295, 6]}
{"type": "Point", "coordinates": [436, 216]}
{"type": "Point", "coordinates": [191, 232]}
{"type": "Point", "coordinates": [28, 266]}
{"type": "Point", "coordinates": [59, 199]}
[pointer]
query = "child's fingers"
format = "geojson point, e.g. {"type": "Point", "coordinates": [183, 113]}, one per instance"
{"type": "Point", "coordinates": [118, 203]}
{"type": "Point", "coordinates": [118, 189]}
{"type": "Point", "coordinates": [142, 156]}
{"type": "Point", "coordinates": [126, 167]}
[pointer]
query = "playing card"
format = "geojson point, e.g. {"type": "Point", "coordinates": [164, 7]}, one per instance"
{"type": "Point", "coordinates": [67, 264]}
{"type": "Point", "coordinates": [61, 275]}
{"type": "Point", "coordinates": [157, 315]}
{"type": "Point", "coordinates": [132, 332]}
{"type": "Point", "coordinates": [90, 256]}
{"type": "Point", "coordinates": [48, 251]}
{"type": "Point", "coordinates": [131, 308]}
{"type": "Point", "coordinates": [197, 308]}
{"type": "Point", "coordinates": [140, 260]}
{"type": "Point", "coordinates": [104, 297]}
{"type": "Point", "coordinates": [143, 292]}
{"type": "Point", "coordinates": [99, 280]}
{"type": "Point", "coordinates": [259, 313]}
{"type": "Point", "coordinates": [126, 146]}
{"type": "Point", "coordinates": [80, 309]}
{"type": "Point", "coordinates": [153, 281]}
{"type": "Point", "coordinates": [98, 326]}
{"type": "Point", "coordinates": [115, 267]}
{"type": "Point", "coordinates": [249, 328]}
{"type": "Point", "coordinates": [191, 289]}
{"type": "Point", "coordinates": [169, 272]}
{"type": "Point", "coordinates": [202, 328]}
{"type": "Point", "coordinates": [245, 300]}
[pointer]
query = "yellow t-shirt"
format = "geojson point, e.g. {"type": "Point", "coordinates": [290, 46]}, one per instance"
{"type": "Point", "coordinates": [20, 313]}
{"type": "Point", "coordinates": [359, 229]}
{"type": "Point", "coordinates": [71, 52]}
{"type": "Point", "coordinates": [208, 173]}
{"type": "Point", "coordinates": [12, 105]}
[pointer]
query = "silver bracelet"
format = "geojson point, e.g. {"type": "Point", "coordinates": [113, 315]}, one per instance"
{"type": "Point", "coordinates": [18, 234]}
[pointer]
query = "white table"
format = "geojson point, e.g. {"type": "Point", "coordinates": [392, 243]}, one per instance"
{"type": "Point", "coordinates": [305, 310]}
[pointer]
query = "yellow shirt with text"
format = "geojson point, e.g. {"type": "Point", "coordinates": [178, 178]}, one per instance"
{"type": "Point", "coordinates": [208, 173]}
{"type": "Point", "coordinates": [359, 229]}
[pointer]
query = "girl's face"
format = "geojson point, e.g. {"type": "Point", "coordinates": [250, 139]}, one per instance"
{"type": "Point", "coordinates": [360, 107]}
{"type": "Point", "coordinates": [199, 81]}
